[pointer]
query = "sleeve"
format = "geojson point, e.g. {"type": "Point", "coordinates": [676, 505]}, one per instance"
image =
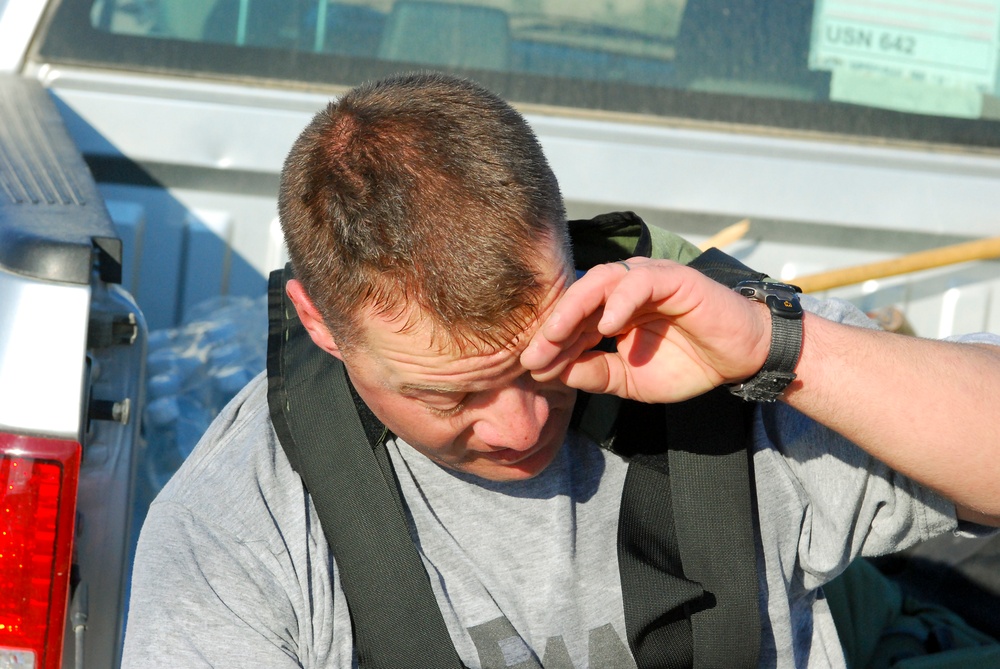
{"type": "Point", "coordinates": [823, 501]}
{"type": "Point", "coordinates": [202, 598]}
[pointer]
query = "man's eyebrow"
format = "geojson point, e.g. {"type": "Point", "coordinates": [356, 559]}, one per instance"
{"type": "Point", "coordinates": [408, 388]}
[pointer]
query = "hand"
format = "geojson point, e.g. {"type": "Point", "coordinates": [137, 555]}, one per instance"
{"type": "Point", "coordinates": [679, 334]}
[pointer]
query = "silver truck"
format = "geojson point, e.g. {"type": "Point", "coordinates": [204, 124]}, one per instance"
{"type": "Point", "coordinates": [72, 355]}
{"type": "Point", "coordinates": [140, 143]}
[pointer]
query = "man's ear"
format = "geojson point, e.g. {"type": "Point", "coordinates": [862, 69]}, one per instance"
{"type": "Point", "coordinates": [311, 318]}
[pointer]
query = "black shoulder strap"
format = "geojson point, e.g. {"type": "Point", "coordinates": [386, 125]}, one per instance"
{"type": "Point", "coordinates": [710, 455]}
{"type": "Point", "coordinates": [686, 543]}
{"type": "Point", "coordinates": [686, 534]}
{"type": "Point", "coordinates": [346, 471]}
{"type": "Point", "coordinates": [724, 268]}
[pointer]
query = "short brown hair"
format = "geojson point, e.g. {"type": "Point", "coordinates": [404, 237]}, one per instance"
{"type": "Point", "coordinates": [421, 190]}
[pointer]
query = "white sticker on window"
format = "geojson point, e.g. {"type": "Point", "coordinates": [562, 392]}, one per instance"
{"type": "Point", "coordinates": [909, 54]}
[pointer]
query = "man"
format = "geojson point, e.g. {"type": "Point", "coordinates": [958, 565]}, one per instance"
{"type": "Point", "coordinates": [431, 256]}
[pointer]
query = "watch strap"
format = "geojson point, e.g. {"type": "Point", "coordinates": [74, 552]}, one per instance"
{"type": "Point", "coordinates": [786, 341]}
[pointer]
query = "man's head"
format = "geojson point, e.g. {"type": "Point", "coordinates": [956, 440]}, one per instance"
{"type": "Point", "coordinates": [421, 191]}
{"type": "Point", "coordinates": [427, 235]}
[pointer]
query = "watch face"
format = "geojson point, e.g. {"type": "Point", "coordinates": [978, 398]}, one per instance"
{"type": "Point", "coordinates": [785, 304]}
{"type": "Point", "coordinates": [781, 298]}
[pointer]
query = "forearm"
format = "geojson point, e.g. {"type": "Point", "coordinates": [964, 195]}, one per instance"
{"type": "Point", "coordinates": [926, 408]}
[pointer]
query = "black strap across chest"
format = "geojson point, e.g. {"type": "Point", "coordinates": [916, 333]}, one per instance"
{"type": "Point", "coordinates": [685, 538]}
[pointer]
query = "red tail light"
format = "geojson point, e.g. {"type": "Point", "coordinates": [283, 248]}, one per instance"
{"type": "Point", "coordinates": [37, 514]}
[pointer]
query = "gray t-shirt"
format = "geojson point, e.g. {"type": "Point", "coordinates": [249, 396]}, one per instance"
{"type": "Point", "coordinates": [232, 569]}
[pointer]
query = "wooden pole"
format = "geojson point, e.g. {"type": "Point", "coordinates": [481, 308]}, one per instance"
{"type": "Point", "coordinates": [980, 249]}
{"type": "Point", "coordinates": [727, 235]}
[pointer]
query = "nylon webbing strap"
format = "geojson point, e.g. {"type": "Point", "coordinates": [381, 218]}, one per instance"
{"type": "Point", "coordinates": [395, 616]}
{"type": "Point", "coordinates": [709, 478]}
{"type": "Point", "coordinates": [727, 634]}
{"type": "Point", "coordinates": [724, 268]}
{"type": "Point", "coordinates": [656, 599]}
{"type": "Point", "coordinates": [685, 533]}
{"type": "Point", "coordinates": [686, 537]}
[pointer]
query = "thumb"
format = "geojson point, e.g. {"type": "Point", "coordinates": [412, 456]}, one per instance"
{"type": "Point", "coordinates": [596, 372]}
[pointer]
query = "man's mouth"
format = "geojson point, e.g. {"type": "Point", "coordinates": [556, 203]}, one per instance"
{"type": "Point", "coordinates": [509, 456]}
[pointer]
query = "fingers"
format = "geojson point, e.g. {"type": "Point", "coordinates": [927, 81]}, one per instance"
{"type": "Point", "coordinates": [607, 301]}
{"type": "Point", "coordinates": [604, 301]}
{"type": "Point", "coordinates": [572, 327]}
{"type": "Point", "coordinates": [589, 372]}
{"type": "Point", "coordinates": [653, 289]}
{"type": "Point", "coordinates": [583, 303]}
{"type": "Point", "coordinates": [548, 359]}
{"type": "Point", "coordinates": [678, 333]}
{"type": "Point", "coordinates": [630, 298]}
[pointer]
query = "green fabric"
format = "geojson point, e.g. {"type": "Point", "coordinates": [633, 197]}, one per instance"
{"type": "Point", "coordinates": [882, 628]}
{"type": "Point", "coordinates": [620, 235]}
{"type": "Point", "coordinates": [668, 245]}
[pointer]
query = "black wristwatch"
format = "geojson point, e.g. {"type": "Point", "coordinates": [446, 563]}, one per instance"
{"type": "Point", "coordinates": [786, 340]}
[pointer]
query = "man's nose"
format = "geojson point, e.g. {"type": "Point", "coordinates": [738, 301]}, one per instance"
{"type": "Point", "coordinates": [512, 417]}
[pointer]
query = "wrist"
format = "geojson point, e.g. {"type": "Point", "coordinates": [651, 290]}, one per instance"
{"type": "Point", "coordinates": [778, 370]}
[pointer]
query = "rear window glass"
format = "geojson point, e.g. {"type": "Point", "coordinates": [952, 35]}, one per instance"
{"type": "Point", "coordinates": [924, 70]}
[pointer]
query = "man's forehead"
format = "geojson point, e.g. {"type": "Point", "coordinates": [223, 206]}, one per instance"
{"type": "Point", "coordinates": [435, 371]}
{"type": "Point", "coordinates": [410, 320]}
{"type": "Point", "coordinates": [412, 359]}
{"type": "Point", "coordinates": [414, 349]}
{"type": "Point", "coordinates": [423, 331]}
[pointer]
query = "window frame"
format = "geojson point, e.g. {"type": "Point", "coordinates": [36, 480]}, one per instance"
{"type": "Point", "coordinates": [68, 38]}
